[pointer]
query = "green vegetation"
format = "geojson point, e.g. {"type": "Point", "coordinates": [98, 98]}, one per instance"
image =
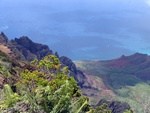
{"type": "Point", "coordinates": [4, 65]}
{"type": "Point", "coordinates": [137, 96]}
{"type": "Point", "coordinates": [3, 56]}
{"type": "Point", "coordinates": [128, 111]}
{"type": "Point", "coordinates": [46, 88]}
{"type": "Point", "coordinates": [102, 109]}
{"type": "Point", "coordinates": [4, 71]}
{"type": "Point", "coordinates": [9, 98]}
{"type": "Point", "coordinates": [127, 87]}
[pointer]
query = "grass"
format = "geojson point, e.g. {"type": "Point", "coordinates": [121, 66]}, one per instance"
{"type": "Point", "coordinates": [137, 96]}
{"type": "Point", "coordinates": [123, 82]}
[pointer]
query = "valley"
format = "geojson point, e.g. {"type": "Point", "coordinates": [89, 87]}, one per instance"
{"type": "Point", "coordinates": [121, 82]}
{"type": "Point", "coordinates": [126, 78]}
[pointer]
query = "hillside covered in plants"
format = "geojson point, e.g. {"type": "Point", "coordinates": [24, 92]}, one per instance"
{"type": "Point", "coordinates": [44, 88]}
{"type": "Point", "coordinates": [47, 84]}
{"type": "Point", "coordinates": [126, 79]}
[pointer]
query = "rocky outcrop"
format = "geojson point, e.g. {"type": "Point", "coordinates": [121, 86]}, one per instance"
{"type": "Point", "coordinates": [3, 38]}
{"type": "Point", "coordinates": [25, 49]}
{"type": "Point", "coordinates": [29, 49]}
{"type": "Point", "coordinates": [115, 106]}
{"type": "Point", "coordinates": [68, 62]}
{"type": "Point", "coordinates": [77, 74]}
{"type": "Point", "coordinates": [81, 78]}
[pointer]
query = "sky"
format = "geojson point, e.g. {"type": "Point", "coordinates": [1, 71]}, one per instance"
{"type": "Point", "coordinates": [80, 29]}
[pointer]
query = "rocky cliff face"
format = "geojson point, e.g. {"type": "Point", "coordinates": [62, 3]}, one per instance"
{"type": "Point", "coordinates": [115, 106]}
{"type": "Point", "coordinates": [26, 50]}
{"type": "Point", "coordinates": [77, 74]}
{"type": "Point", "coordinates": [29, 49]}
{"type": "Point", "coordinates": [3, 38]}
{"type": "Point", "coordinates": [68, 62]}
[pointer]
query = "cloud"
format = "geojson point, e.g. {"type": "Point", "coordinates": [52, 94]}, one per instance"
{"type": "Point", "coordinates": [148, 2]}
{"type": "Point", "coordinates": [88, 48]}
{"type": "Point", "coordinates": [2, 28]}
{"type": "Point", "coordinates": [80, 28]}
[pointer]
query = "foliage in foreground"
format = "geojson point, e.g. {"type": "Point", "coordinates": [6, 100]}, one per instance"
{"type": "Point", "coordinates": [128, 111]}
{"type": "Point", "coordinates": [46, 89]}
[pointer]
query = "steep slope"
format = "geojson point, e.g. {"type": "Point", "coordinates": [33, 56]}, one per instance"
{"type": "Point", "coordinates": [29, 49]}
{"type": "Point", "coordinates": [10, 69]}
{"type": "Point", "coordinates": [115, 106]}
{"type": "Point", "coordinates": [23, 49]}
{"type": "Point", "coordinates": [10, 73]}
{"type": "Point", "coordinates": [128, 70]}
{"type": "Point", "coordinates": [3, 38]}
{"type": "Point", "coordinates": [127, 77]}
{"type": "Point", "coordinates": [87, 82]}
{"type": "Point", "coordinates": [43, 90]}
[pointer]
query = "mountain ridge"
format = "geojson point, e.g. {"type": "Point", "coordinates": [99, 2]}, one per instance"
{"type": "Point", "coordinates": [123, 76]}
{"type": "Point", "coordinates": [24, 49]}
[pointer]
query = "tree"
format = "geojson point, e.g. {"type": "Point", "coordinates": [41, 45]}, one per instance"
{"type": "Point", "coordinates": [48, 89]}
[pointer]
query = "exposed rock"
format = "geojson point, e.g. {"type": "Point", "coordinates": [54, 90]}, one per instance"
{"type": "Point", "coordinates": [24, 49]}
{"type": "Point", "coordinates": [77, 74]}
{"type": "Point", "coordinates": [29, 49]}
{"type": "Point", "coordinates": [3, 38]}
{"type": "Point", "coordinates": [115, 106]}
{"type": "Point", "coordinates": [81, 79]}
{"type": "Point", "coordinates": [6, 50]}
{"type": "Point", "coordinates": [56, 54]}
{"type": "Point", "coordinates": [68, 62]}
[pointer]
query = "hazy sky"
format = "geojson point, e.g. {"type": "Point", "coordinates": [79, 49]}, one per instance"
{"type": "Point", "coordinates": [80, 29]}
